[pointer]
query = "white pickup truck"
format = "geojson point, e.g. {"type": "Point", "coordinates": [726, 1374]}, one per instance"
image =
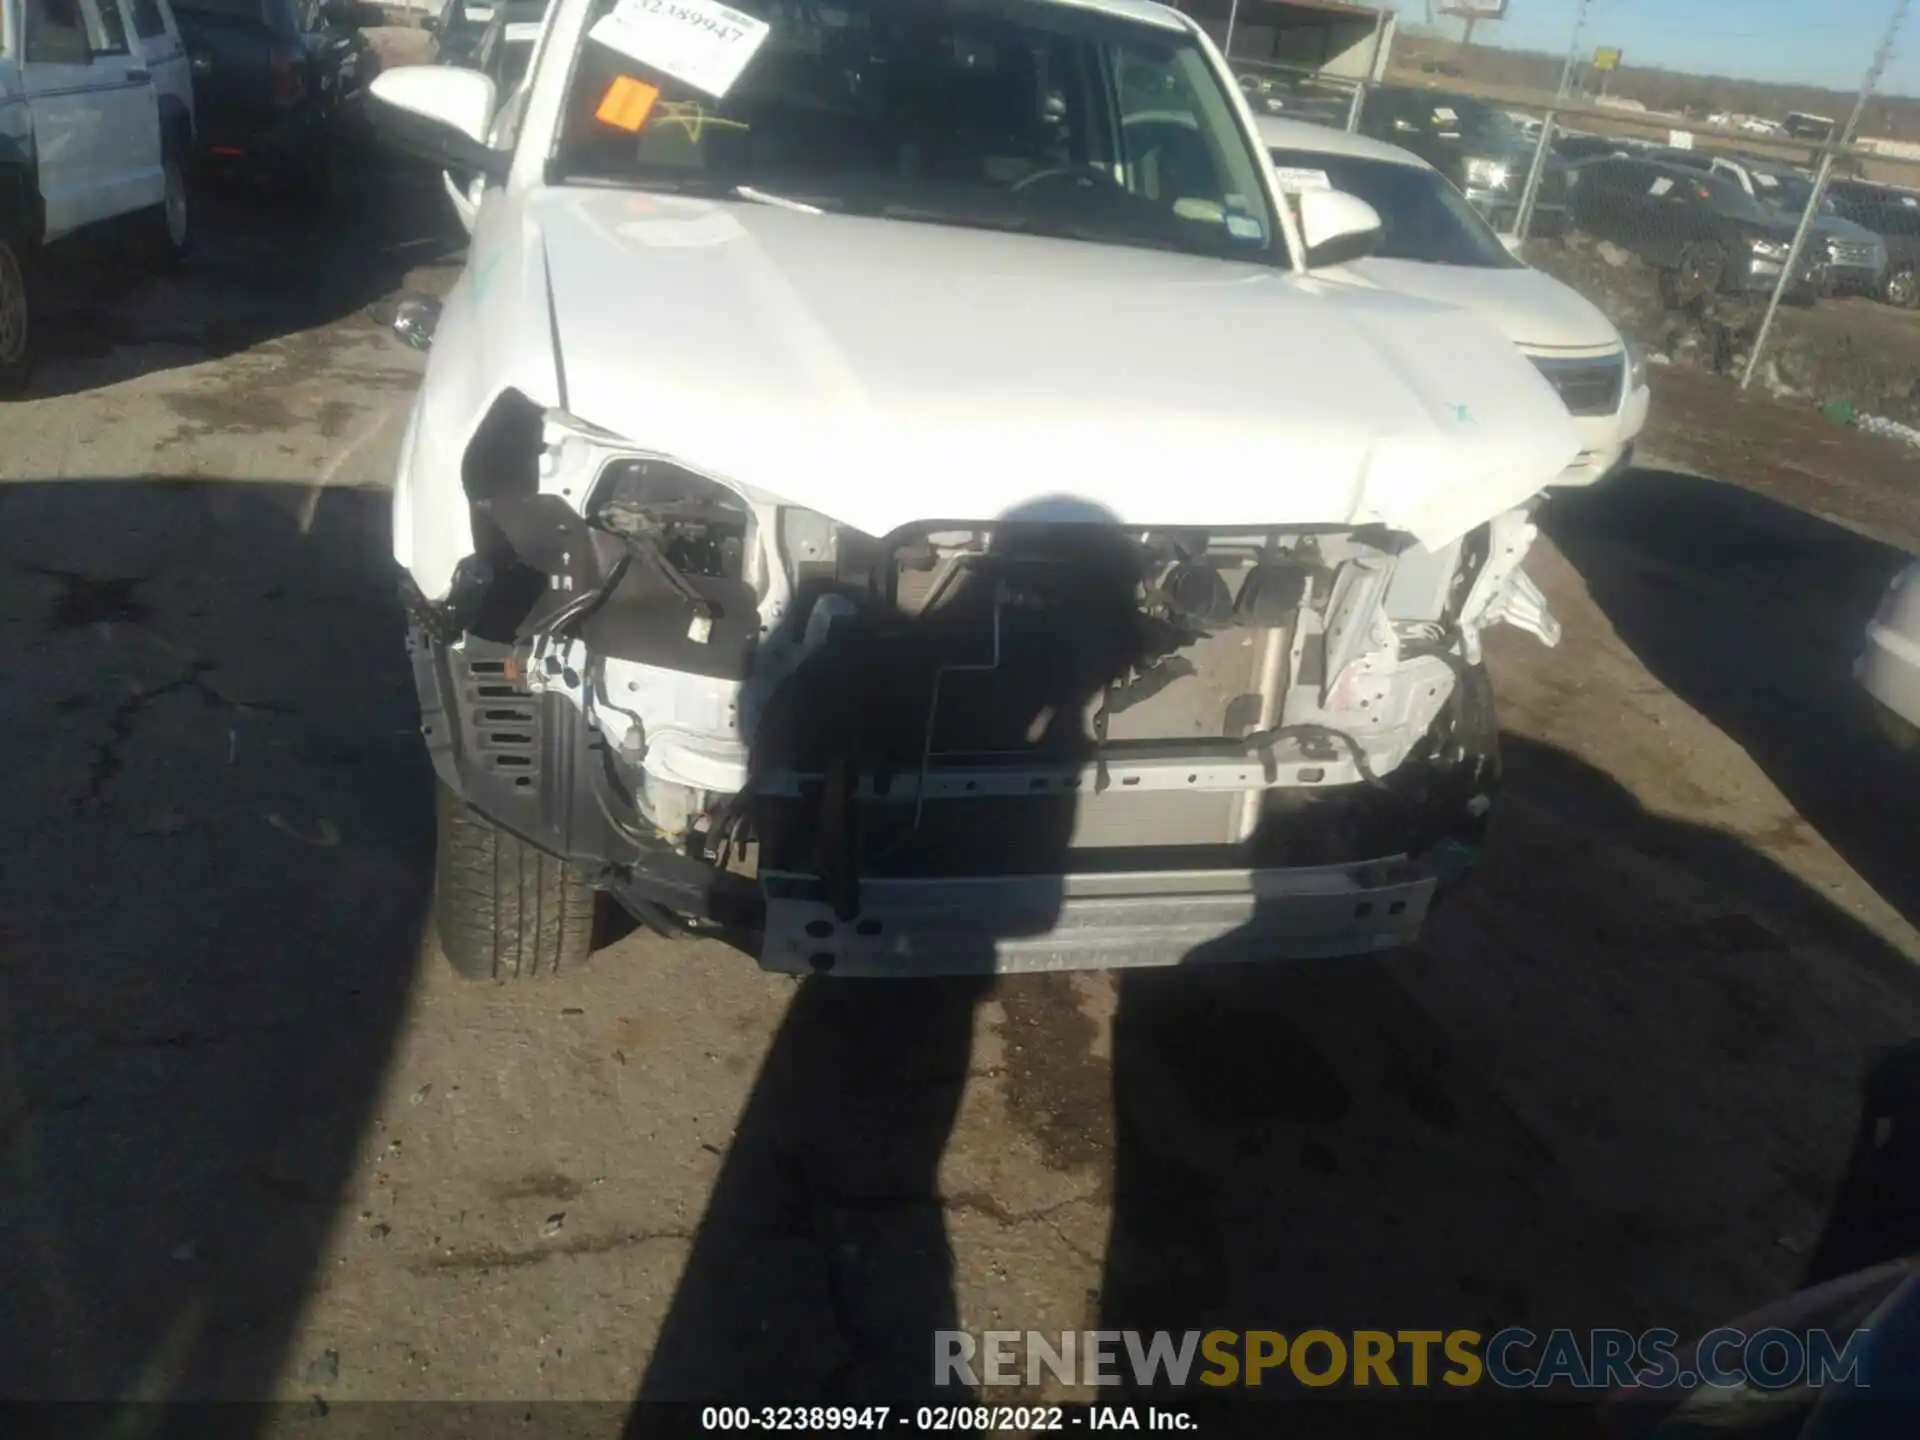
{"type": "Point", "coordinates": [96, 126]}
{"type": "Point", "coordinates": [917, 510]}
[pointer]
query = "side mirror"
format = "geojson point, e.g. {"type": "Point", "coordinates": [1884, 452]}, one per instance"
{"type": "Point", "coordinates": [430, 24]}
{"type": "Point", "coordinates": [439, 113]}
{"type": "Point", "coordinates": [1337, 227]}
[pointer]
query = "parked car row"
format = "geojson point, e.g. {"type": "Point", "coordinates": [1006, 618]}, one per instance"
{"type": "Point", "coordinates": [1701, 231]}
{"type": "Point", "coordinates": [280, 86]}
{"type": "Point", "coordinates": [1295, 97]}
{"type": "Point", "coordinates": [1477, 146]}
{"type": "Point", "coordinates": [1867, 235]}
{"type": "Point", "coordinates": [108, 109]}
{"type": "Point", "coordinates": [97, 133]}
{"type": "Point", "coordinates": [1894, 215]}
{"type": "Point", "coordinates": [1707, 222]}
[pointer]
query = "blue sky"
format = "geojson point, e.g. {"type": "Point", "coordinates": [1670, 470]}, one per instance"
{"type": "Point", "coordinates": [1822, 42]}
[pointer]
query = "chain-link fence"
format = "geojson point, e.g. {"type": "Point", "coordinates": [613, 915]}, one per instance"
{"type": "Point", "coordinates": [1736, 187]}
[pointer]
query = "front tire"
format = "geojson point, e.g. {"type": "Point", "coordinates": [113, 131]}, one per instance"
{"type": "Point", "coordinates": [16, 319]}
{"type": "Point", "coordinates": [170, 228]}
{"type": "Point", "coordinates": [1902, 288]}
{"type": "Point", "coordinates": [504, 909]}
{"type": "Point", "coordinates": [1699, 273]}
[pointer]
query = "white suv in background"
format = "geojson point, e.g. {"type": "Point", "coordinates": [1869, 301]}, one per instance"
{"type": "Point", "coordinates": [1435, 245]}
{"type": "Point", "coordinates": [96, 126]}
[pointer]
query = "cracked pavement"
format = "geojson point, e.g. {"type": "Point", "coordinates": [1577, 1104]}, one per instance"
{"type": "Point", "coordinates": [257, 1141]}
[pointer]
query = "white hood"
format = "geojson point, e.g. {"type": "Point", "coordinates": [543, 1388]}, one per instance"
{"type": "Point", "coordinates": [1533, 310]}
{"type": "Point", "coordinates": [882, 372]}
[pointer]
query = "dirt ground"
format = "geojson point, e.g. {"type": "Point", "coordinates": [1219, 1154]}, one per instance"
{"type": "Point", "coordinates": [257, 1141]}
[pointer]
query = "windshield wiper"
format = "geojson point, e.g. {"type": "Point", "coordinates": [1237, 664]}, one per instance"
{"type": "Point", "coordinates": [779, 202]}
{"type": "Point", "coordinates": [1051, 227]}
{"type": "Point", "coordinates": [705, 187]}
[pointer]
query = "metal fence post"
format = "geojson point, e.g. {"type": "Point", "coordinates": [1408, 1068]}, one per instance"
{"type": "Point", "coordinates": [1790, 268]}
{"type": "Point", "coordinates": [1829, 153]}
{"type": "Point", "coordinates": [1373, 67]}
{"type": "Point", "coordinates": [1573, 48]}
{"type": "Point", "coordinates": [1523, 217]}
{"type": "Point", "coordinates": [1529, 197]}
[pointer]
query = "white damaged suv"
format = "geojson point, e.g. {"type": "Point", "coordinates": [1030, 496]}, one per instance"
{"type": "Point", "coordinates": [889, 488]}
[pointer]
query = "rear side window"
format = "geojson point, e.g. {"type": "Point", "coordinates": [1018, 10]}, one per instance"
{"type": "Point", "coordinates": [57, 33]}
{"type": "Point", "coordinates": [147, 23]}
{"type": "Point", "coordinates": [1728, 196]}
{"type": "Point", "coordinates": [113, 28]}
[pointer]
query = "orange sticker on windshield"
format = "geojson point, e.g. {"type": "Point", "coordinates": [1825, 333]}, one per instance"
{"type": "Point", "coordinates": [626, 104]}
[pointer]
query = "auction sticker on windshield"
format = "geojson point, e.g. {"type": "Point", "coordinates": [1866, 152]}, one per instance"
{"type": "Point", "coordinates": [704, 43]}
{"type": "Point", "coordinates": [1294, 179]}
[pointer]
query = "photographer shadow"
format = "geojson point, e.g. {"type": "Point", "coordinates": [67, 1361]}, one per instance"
{"type": "Point", "coordinates": [822, 1265]}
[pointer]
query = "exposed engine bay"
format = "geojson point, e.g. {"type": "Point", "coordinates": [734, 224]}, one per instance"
{"type": "Point", "coordinates": [1034, 740]}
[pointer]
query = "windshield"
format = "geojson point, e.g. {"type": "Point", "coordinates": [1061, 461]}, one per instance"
{"type": "Point", "coordinates": [515, 52]}
{"type": "Point", "coordinates": [1728, 197]}
{"type": "Point", "coordinates": [1474, 122]}
{"type": "Point", "coordinates": [1422, 216]}
{"type": "Point", "coordinates": [1484, 125]}
{"type": "Point", "coordinates": [1022, 115]}
{"type": "Point", "coordinates": [1788, 192]}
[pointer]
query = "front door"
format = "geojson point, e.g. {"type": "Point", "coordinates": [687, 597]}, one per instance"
{"type": "Point", "coordinates": [157, 45]}
{"type": "Point", "coordinates": [96, 130]}
{"type": "Point", "coordinates": [56, 74]}
{"type": "Point", "coordinates": [130, 149]}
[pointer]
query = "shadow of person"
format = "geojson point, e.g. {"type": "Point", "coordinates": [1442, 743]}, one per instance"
{"type": "Point", "coordinates": [1753, 612]}
{"type": "Point", "coordinates": [1598, 1092]}
{"type": "Point", "coordinates": [821, 1268]}
{"type": "Point", "coordinates": [216, 867]}
{"type": "Point", "coordinates": [1876, 1210]}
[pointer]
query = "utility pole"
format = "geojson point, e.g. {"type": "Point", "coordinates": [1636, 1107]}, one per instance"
{"type": "Point", "coordinates": [1530, 193]}
{"type": "Point", "coordinates": [1828, 155]}
{"type": "Point", "coordinates": [1573, 47]}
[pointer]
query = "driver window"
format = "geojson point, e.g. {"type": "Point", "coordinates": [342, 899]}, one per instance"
{"type": "Point", "coordinates": [1168, 161]}
{"type": "Point", "coordinates": [56, 33]}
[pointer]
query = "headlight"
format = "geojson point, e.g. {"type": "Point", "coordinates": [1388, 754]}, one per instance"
{"type": "Point", "coordinates": [1636, 367]}
{"type": "Point", "coordinates": [1488, 174]}
{"type": "Point", "coordinates": [700, 526]}
{"type": "Point", "coordinates": [1769, 249]}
